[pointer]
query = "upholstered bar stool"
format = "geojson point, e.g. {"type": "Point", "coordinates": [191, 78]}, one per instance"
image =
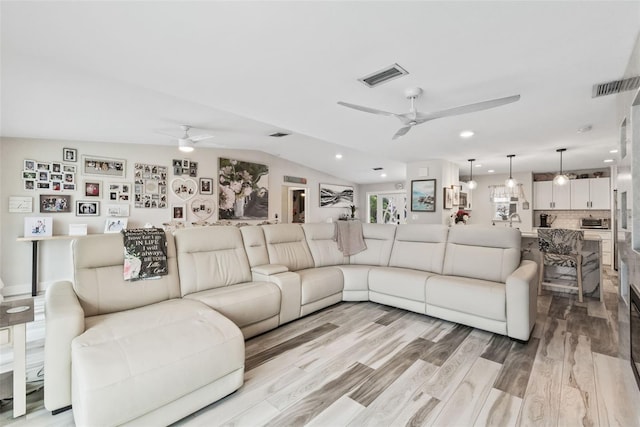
{"type": "Point", "coordinates": [561, 248]}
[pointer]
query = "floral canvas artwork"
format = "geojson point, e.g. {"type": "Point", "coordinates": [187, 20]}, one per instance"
{"type": "Point", "coordinates": [243, 190]}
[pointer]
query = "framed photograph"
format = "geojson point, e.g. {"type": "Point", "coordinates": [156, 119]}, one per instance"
{"type": "Point", "coordinates": [29, 184]}
{"type": "Point", "coordinates": [115, 225]}
{"type": "Point", "coordinates": [55, 203]}
{"type": "Point", "coordinates": [43, 166]}
{"type": "Point", "coordinates": [206, 185]}
{"type": "Point", "coordinates": [56, 167]}
{"type": "Point", "coordinates": [68, 187]}
{"type": "Point", "coordinates": [56, 186]}
{"type": "Point", "coordinates": [30, 165]}
{"type": "Point", "coordinates": [178, 212]}
{"type": "Point", "coordinates": [423, 195]}
{"type": "Point", "coordinates": [185, 163]}
{"type": "Point", "coordinates": [69, 154]}
{"type": "Point", "coordinates": [43, 176]}
{"type": "Point", "coordinates": [92, 188]}
{"type": "Point", "coordinates": [103, 166]}
{"type": "Point", "coordinates": [447, 198]}
{"type": "Point", "coordinates": [87, 208]}
{"type": "Point", "coordinates": [456, 194]}
{"type": "Point", "coordinates": [335, 196]}
{"type": "Point", "coordinates": [69, 168]}
{"type": "Point", "coordinates": [119, 191]}
{"type": "Point", "coordinates": [43, 185]}
{"type": "Point", "coordinates": [463, 200]}
{"type": "Point", "coordinates": [29, 175]}
{"type": "Point", "coordinates": [41, 226]}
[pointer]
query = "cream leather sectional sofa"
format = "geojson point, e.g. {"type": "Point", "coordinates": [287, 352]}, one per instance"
{"type": "Point", "coordinates": [154, 351]}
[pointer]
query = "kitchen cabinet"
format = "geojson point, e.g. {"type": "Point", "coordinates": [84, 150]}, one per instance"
{"type": "Point", "coordinates": [590, 193]}
{"type": "Point", "coordinates": [547, 196]}
{"type": "Point", "coordinates": [606, 237]}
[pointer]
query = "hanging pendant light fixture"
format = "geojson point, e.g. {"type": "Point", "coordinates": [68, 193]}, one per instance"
{"type": "Point", "coordinates": [511, 183]}
{"type": "Point", "coordinates": [471, 183]}
{"type": "Point", "coordinates": [561, 178]}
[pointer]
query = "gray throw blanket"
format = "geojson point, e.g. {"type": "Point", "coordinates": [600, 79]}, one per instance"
{"type": "Point", "coordinates": [145, 253]}
{"type": "Point", "coordinates": [349, 237]}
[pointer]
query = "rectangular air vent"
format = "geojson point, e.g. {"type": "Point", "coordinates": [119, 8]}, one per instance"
{"type": "Point", "coordinates": [278, 134]}
{"type": "Point", "coordinates": [616, 86]}
{"type": "Point", "coordinates": [378, 169]}
{"type": "Point", "coordinates": [392, 72]}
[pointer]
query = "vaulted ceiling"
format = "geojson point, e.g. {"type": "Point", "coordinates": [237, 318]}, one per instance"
{"type": "Point", "coordinates": [128, 71]}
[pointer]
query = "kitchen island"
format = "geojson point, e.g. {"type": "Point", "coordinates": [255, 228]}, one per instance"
{"type": "Point", "coordinates": [591, 265]}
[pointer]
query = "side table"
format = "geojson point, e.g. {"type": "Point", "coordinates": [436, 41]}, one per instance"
{"type": "Point", "coordinates": [14, 315]}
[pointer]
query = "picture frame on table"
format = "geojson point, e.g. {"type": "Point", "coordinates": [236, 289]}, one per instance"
{"type": "Point", "coordinates": [115, 225]}
{"type": "Point", "coordinates": [423, 195]}
{"type": "Point", "coordinates": [41, 226]}
{"type": "Point", "coordinates": [104, 166]}
{"type": "Point", "coordinates": [69, 154]}
{"type": "Point", "coordinates": [87, 208]}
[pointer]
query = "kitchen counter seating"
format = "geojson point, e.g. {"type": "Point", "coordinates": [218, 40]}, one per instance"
{"type": "Point", "coordinates": [154, 351]}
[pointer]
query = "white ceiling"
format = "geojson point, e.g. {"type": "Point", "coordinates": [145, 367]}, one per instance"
{"type": "Point", "coordinates": [123, 71]}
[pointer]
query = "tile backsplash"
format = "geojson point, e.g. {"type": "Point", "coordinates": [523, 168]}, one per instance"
{"type": "Point", "coordinates": [569, 219]}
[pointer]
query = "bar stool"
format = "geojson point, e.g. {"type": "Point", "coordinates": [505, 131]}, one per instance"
{"type": "Point", "coordinates": [561, 248]}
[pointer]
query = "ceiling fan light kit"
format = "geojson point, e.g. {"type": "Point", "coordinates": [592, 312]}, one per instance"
{"type": "Point", "coordinates": [413, 117]}
{"type": "Point", "coordinates": [187, 143]}
{"type": "Point", "coordinates": [561, 178]}
{"type": "Point", "coordinates": [511, 183]}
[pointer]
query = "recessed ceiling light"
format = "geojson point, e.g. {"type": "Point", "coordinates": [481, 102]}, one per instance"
{"type": "Point", "coordinates": [383, 175]}
{"type": "Point", "coordinates": [585, 128]}
{"type": "Point", "coordinates": [338, 156]}
{"type": "Point", "coordinates": [466, 134]}
{"type": "Point", "coordinates": [608, 160]}
{"type": "Point", "coordinates": [613, 151]}
{"type": "Point", "coordinates": [491, 171]}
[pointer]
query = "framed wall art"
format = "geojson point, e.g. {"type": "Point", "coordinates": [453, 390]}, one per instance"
{"type": "Point", "coordinates": [150, 186]}
{"type": "Point", "coordinates": [115, 225]}
{"type": "Point", "coordinates": [92, 188]}
{"type": "Point", "coordinates": [178, 212]}
{"type": "Point", "coordinates": [423, 195]}
{"type": "Point", "coordinates": [104, 166]}
{"type": "Point", "coordinates": [69, 154]}
{"type": "Point", "coordinates": [243, 190]}
{"type": "Point", "coordinates": [38, 226]}
{"type": "Point", "coordinates": [447, 199]}
{"type": "Point", "coordinates": [55, 203]}
{"type": "Point", "coordinates": [119, 191]}
{"type": "Point", "coordinates": [87, 208]}
{"type": "Point", "coordinates": [119, 210]}
{"type": "Point", "coordinates": [336, 196]}
{"type": "Point", "coordinates": [206, 186]}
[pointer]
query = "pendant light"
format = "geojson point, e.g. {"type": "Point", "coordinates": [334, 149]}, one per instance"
{"type": "Point", "coordinates": [511, 183]}
{"type": "Point", "coordinates": [471, 183]}
{"type": "Point", "coordinates": [561, 178]}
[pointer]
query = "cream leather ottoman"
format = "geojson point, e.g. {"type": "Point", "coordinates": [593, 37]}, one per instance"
{"type": "Point", "coordinates": [147, 365]}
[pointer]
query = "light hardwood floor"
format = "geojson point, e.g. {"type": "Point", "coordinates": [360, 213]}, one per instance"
{"type": "Point", "coordinates": [366, 364]}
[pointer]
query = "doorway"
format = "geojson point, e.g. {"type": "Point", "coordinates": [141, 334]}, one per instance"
{"type": "Point", "coordinates": [294, 205]}
{"type": "Point", "coordinates": [387, 208]}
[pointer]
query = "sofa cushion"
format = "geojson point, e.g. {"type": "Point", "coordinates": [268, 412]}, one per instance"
{"type": "Point", "coordinates": [319, 283]}
{"type": "Point", "coordinates": [379, 241]}
{"type": "Point", "coordinates": [98, 280]}
{"type": "Point", "coordinates": [287, 246]}
{"type": "Point", "coordinates": [419, 247]}
{"type": "Point", "coordinates": [244, 303]}
{"type": "Point", "coordinates": [482, 253]}
{"type": "Point", "coordinates": [211, 257]}
{"type": "Point", "coordinates": [139, 360]}
{"type": "Point", "coordinates": [472, 296]}
{"type": "Point", "coordinates": [399, 282]}
{"type": "Point", "coordinates": [323, 247]}
{"type": "Point", "coordinates": [254, 245]}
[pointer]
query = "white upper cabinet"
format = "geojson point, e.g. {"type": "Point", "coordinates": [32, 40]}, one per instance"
{"type": "Point", "coordinates": [547, 196]}
{"type": "Point", "coordinates": [591, 193]}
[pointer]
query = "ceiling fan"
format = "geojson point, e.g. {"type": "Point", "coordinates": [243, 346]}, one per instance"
{"type": "Point", "coordinates": [186, 143]}
{"type": "Point", "coordinates": [413, 117]}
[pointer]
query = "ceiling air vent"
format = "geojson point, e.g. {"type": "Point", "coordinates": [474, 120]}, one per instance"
{"type": "Point", "coordinates": [279, 134]}
{"type": "Point", "coordinates": [392, 72]}
{"type": "Point", "coordinates": [378, 169]}
{"type": "Point", "coordinates": [616, 86]}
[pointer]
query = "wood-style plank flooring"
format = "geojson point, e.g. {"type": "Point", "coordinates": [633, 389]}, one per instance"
{"type": "Point", "coordinates": [357, 364]}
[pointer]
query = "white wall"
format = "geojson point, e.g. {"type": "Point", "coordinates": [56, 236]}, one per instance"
{"type": "Point", "coordinates": [55, 264]}
{"type": "Point", "coordinates": [482, 208]}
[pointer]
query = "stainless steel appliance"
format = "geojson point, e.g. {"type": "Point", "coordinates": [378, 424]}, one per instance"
{"type": "Point", "coordinates": [595, 223]}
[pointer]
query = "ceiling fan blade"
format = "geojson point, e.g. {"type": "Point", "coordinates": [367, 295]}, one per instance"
{"type": "Point", "coordinates": [402, 131]}
{"type": "Point", "coordinates": [367, 109]}
{"type": "Point", "coordinates": [469, 108]}
{"type": "Point", "coordinates": [200, 137]}
{"type": "Point", "coordinates": [166, 134]}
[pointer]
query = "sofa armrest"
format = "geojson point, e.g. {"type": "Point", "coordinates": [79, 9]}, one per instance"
{"type": "Point", "coordinates": [64, 320]}
{"type": "Point", "coordinates": [269, 269]}
{"type": "Point", "coordinates": [522, 300]}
